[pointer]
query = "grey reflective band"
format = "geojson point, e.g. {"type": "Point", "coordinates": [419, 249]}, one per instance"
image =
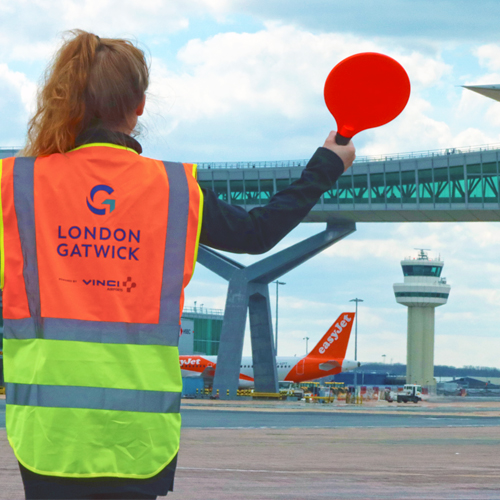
{"type": "Point", "coordinates": [24, 203]}
{"type": "Point", "coordinates": [19, 328]}
{"type": "Point", "coordinates": [93, 398]}
{"type": "Point", "coordinates": [175, 247]}
{"type": "Point", "coordinates": [92, 331]}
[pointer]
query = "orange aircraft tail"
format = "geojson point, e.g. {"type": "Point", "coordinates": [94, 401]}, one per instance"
{"type": "Point", "coordinates": [333, 345]}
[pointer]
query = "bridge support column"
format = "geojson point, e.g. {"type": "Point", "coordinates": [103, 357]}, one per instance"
{"type": "Point", "coordinates": [248, 290]}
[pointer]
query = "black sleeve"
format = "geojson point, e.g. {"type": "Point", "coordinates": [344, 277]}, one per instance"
{"type": "Point", "coordinates": [232, 229]}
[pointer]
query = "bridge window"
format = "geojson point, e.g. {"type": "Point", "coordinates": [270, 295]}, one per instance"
{"type": "Point", "coordinates": [252, 191]}
{"type": "Point", "coordinates": [238, 194]}
{"type": "Point", "coordinates": [345, 189]}
{"type": "Point", "coordinates": [360, 188]}
{"type": "Point", "coordinates": [330, 196]}
{"type": "Point", "coordinates": [490, 182]}
{"type": "Point", "coordinates": [425, 186]}
{"type": "Point", "coordinates": [422, 270]}
{"type": "Point", "coordinates": [266, 189]}
{"type": "Point", "coordinates": [393, 183]}
{"type": "Point", "coordinates": [441, 185]}
{"type": "Point", "coordinates": [457, 184]}
{"type": "Point", "coordinates": [220, 188]}
{"type": "Point", "coordinates": [474, 184]}
{"type": "Point", "coordinates": [408, 187]}
{"type": "Point", "coordinates": [378, 188]}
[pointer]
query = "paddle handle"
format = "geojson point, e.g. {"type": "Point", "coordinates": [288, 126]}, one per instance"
{"type": "Point", "coordinates": [341, 140]}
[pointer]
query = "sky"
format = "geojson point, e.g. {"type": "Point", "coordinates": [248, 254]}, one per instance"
{"type": "Point", "coordinates": [234, 80]}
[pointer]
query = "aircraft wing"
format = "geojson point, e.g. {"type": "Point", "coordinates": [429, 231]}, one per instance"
{"type": "Point", "coordinates": [208, 372]}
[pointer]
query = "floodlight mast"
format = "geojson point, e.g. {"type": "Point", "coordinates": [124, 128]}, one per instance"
{"type": "Point", "coordinates": [356, 338]}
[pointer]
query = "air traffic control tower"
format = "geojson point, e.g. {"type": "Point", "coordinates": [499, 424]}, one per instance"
{"type": "Point", "coordinates": [422, 291]}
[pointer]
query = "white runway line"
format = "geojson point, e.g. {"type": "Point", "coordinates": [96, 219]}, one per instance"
{"type": "Point", "coordinates": [329, 472]}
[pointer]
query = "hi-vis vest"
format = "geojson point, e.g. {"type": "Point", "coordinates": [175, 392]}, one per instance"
{"type": "Point", "coordinates": [99, 245]}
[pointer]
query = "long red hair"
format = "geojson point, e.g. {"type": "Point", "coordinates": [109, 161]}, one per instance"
{"type": "Point", "coordinates": [92, 81]}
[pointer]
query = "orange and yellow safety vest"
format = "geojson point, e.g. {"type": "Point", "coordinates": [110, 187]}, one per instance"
{"type": "Point", "coordinates": [97, 247]}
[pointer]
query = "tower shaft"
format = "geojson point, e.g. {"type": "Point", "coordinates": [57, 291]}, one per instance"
{"type": "Point", "coordinates": [420, 346]}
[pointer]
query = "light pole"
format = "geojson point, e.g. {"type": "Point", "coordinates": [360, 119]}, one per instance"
{"type": "Point", "coordinates": [276, 339]}
{"type": "Point", "coordinates": [307, 340]}
{"type": "Point", "coordinates": [356, 338]}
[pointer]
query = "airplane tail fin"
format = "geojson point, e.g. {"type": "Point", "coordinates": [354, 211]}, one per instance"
{"type": "Point", "coordinates": [333, 345]}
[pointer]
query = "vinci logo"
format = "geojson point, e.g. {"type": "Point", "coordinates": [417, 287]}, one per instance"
{"type": "Point", "coordinates": [112, 284]}
{"type": "Point", "coordinates": [129, 284]}
{"type": "Point", "coordinates": [110, 202]}
{"type": "Point", "coordinates": [339, 327]}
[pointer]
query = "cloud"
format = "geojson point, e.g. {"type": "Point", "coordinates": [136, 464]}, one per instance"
{"type": "Point", "coordinates": [38, 20]}
{"type": "Point", "coordinates": [17, 95]}
{"type": "Point", "coordinates": [466, 350]}
{"type": "Point", "coordinates": [488, 56]}
{"type": "Point", "coordinates": [429, 20]}
{"type": "Point", "coordinates": [263, 91]}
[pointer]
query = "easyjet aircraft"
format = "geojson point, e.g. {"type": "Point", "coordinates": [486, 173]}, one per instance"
{"type": "Point", "coordinates": [327, 358]}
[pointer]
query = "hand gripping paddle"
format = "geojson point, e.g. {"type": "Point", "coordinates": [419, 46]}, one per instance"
{"type": "Point", "coordinates": [365, 90]}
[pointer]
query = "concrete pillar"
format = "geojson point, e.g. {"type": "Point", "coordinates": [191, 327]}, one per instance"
{"type": "Point", "coordinates": [248, 289]}
{"type": "Point", "coordinates": [420, 346]}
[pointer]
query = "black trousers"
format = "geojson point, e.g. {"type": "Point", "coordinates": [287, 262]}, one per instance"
{"type": "Point", "coordinates": [38, 487]}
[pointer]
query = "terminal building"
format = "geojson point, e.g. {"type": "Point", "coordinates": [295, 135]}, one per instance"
{"type": "Point", "coordinates": [201, 329]}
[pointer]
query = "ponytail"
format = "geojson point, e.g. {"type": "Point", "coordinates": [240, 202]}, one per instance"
{"type": "Point", "coordinates": [91, 82]}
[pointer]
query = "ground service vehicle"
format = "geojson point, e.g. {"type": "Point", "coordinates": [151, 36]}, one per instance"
{"type": "Point", "coordinates": [291, 390]}
{"type": "Point", "coordinates": [411, 392]}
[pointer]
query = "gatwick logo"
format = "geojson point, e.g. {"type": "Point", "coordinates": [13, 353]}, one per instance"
{"type": "Point", "coordinates": [339, 327]}
{"type": "Point", "coordinates": [110, 202]}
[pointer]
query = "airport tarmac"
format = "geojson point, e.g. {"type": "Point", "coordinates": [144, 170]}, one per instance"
{"type": "Point", "coordinates": [433, 450]}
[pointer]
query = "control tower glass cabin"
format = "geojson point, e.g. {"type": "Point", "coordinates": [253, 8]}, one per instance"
{"type": "Point", "coordinates": [422, 291]}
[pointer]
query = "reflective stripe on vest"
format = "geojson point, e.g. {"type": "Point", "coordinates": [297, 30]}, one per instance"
{"type": "Point", "coordinates": [96, 398]}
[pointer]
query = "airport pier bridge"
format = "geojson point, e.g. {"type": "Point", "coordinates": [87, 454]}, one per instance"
{"type": "Point", "coordinates": [442, 186]}
{"type": "Point", "coordinates": [451, 185]}
{"type": "Point", "coordinates": [448, 185]}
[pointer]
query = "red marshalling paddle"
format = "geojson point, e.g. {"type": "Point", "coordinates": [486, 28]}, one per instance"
{"type": "Point", "coordinates": [365, 90]}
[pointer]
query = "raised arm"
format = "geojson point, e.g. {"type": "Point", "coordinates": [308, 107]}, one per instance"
{"type": "Point", "coordinates": [231, 228]}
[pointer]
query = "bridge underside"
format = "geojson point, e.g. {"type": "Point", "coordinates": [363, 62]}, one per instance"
{"type": "Point", "coordinates": [412, 214]}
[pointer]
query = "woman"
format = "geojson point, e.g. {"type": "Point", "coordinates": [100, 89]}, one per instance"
{"type": "Point", "coordinates": [99, 245]}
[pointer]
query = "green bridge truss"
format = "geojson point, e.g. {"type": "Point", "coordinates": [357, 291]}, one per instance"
{"type": "Point", "coordinates": [448, 185]}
